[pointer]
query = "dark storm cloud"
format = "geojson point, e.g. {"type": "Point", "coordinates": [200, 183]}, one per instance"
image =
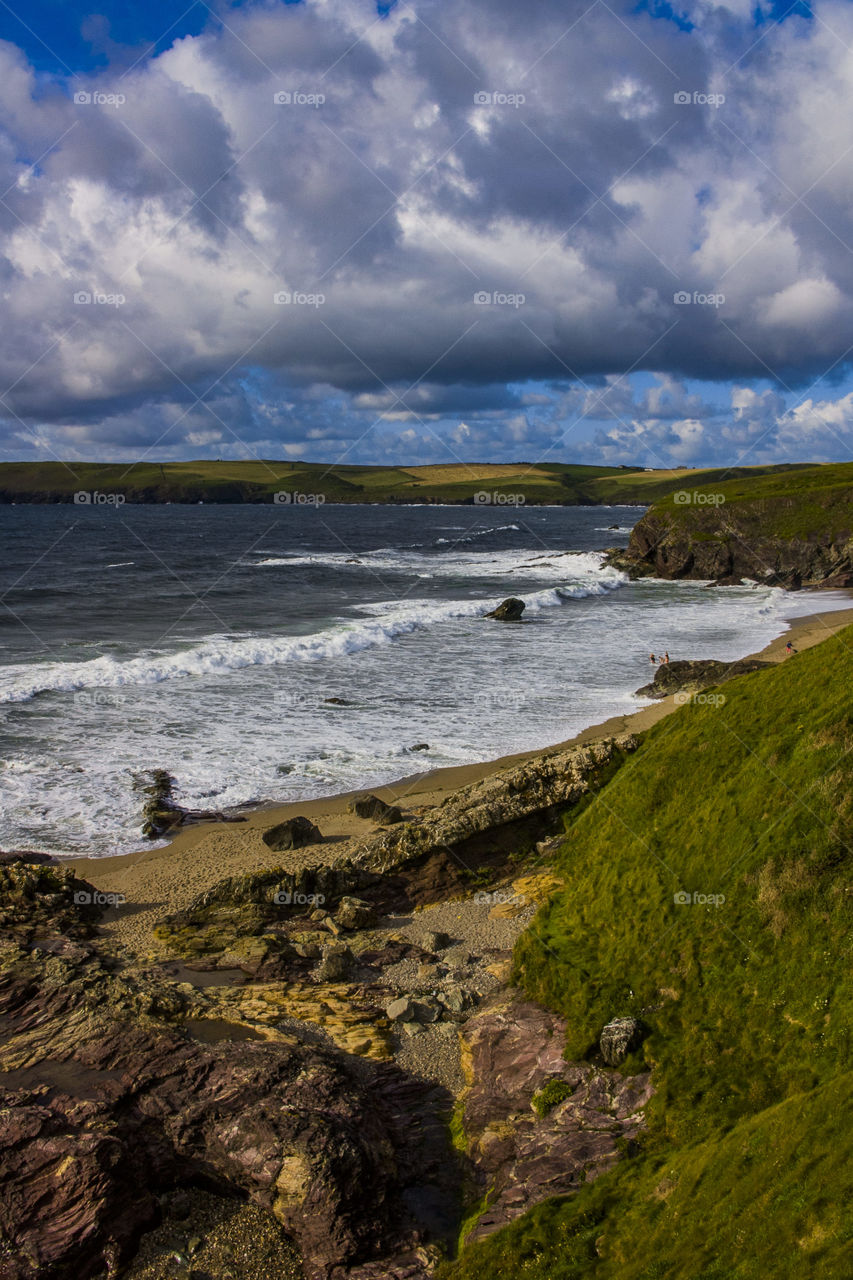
{"type": "Point", "coordinates": [392, 219]}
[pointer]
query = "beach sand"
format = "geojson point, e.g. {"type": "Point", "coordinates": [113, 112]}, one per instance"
{"type": "Point", "coordinates": [158, 881]}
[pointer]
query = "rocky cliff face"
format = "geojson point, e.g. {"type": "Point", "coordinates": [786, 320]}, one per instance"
{"type": "Point", "coordinates": [257, 1056]}
{"type": "Point", "coordinates": [107, 1103]}
{"type": "Point", "coordinates": [522, 1152]}
{"type": "Point", "coordinates": [786, 541]}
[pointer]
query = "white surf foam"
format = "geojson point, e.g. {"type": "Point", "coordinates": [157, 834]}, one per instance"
{"type": "Point", "coordinates": [220, 654]}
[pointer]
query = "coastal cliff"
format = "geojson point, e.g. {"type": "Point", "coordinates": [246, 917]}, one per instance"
{"type": "Point", "coordinates": [793, 530]}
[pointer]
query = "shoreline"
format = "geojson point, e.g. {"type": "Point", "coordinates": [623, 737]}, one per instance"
{"type": "Point", "coordinates": [157, 881]}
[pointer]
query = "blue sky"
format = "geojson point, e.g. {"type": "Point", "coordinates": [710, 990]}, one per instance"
{"type": "Point", "coordinates": [613, 233]}
{"type": "Point", "coordinates": [64, 39]}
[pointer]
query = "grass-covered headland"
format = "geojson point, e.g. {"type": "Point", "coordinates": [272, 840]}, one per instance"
{"type": "Point", "coordinates": [709, 894]}
{"type": "Point", "coordinates": [794, 527]}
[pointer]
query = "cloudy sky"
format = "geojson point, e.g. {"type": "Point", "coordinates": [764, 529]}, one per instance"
{"type": "Point", "coordinates": [489, 230]}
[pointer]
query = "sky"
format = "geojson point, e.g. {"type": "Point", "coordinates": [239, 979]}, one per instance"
{"type": "Point", "coordinates": [563, 230]}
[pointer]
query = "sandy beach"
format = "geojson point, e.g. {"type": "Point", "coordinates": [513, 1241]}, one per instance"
{"type": "Point", "coordinates": [161, 880]}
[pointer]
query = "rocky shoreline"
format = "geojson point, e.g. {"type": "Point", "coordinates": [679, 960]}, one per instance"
{"type": "Point", "coordinates": [316, 1065]}
{"type": "Point", "coordinates": [297, 1041]}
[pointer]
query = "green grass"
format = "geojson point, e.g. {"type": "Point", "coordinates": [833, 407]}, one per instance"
{"type": "Point", "coordinates": [802, 502]}
{"type": "Point", "coordinates": [744, 1170]}
{"type": "Point", "coordinates": [766, 1200]}
{"type": "Point", "coordinates": [550, 1095]}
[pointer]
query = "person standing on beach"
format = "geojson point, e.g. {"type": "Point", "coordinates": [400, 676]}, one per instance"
{"type": "Point", "coordinates": [789, 649]}
{"type": "Point", "coordinates": [652, 659]}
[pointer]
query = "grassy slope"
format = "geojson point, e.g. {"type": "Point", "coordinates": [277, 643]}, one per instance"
{"type": "Point", "coordinates": [257, 481]}
{"type": "Point", "coordinates": [796, 503]}
{"type": "Point", "coordinates": [745, 1170]}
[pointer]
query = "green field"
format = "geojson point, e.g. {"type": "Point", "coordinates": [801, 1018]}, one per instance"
{"type": "Point", "coordinates": [745, 1170]}
{"type": "Point", "coordinates": [259, 481]}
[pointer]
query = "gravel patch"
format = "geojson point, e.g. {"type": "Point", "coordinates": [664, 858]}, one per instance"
{"type": "Point", "coordinates": [476, 941]}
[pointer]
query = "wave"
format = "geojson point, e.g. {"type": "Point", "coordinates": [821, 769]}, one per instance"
{"type": "Point", "coordinates": [221, 654]}
{"type": "Point", "coordinates": [478, 533]}
{"type": "Point", "coordinates": [544, 565]}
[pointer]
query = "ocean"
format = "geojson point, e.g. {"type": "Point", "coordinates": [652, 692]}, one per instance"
{"type": "Point", "coordinates": [269, 654]}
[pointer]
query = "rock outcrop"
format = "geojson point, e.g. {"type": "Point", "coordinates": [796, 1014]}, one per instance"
{"type": "Point", "coordinates": [485, 816]}
{"type": "Point", "coordinates": [511, 1050]}
{"type": "Point", "coordinates": [294, 833]}
{"type": "Point", "coordinates": [799, 538]}
{"type": "Point", "coordinates": [376, 810]}
{"type": "Point", "coordinates": [691, 677]}
{"type": "Point", "coordinates": [509, 611]}
{"type": "Point", "coordinates": [619, 1038]}
{"type": "Point", "coordinates": [161, 814]}
{"type": "Point", "coordinates": [110, 1094]}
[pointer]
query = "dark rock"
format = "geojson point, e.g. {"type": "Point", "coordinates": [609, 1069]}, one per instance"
{"type": "Point", "coordinates": [420, 746]}
{"type": "Point", "coordinates": [114, 1105]}
{"type": "Point", "coordinates": [405, 1009]}
{"type": "Point", "coordinates": [355, 913]}
{"type": "Point", "coordinates": [162, 815]}
{"type": "Point", "coordinates": [26, 855]}
{"type": "Point", "coordinates": [510, 611]}
{"type": "Point", "coordinates": [434, 941]}
{"type": "Point", "coordinates": [729, 541]}
{"type": "Point", "coordinates": [375, 809]}
{"type": "Point", "coordinates": [676, 677]}
{"type": "Point", "coordinates": [294, 833]}
{"type": "Point", "coordinates": [336, 702]}
{"type": "Point", "coordinates": [401, 1010]}
{"type": "Point", "coordinates": [40, 900]}
{"type": "Point", "coordinates": [458, 1001]}
{"type": "Point", "coordinates": [336, 964]}
{"type": "Point", "coordinates": [619, 1038]}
